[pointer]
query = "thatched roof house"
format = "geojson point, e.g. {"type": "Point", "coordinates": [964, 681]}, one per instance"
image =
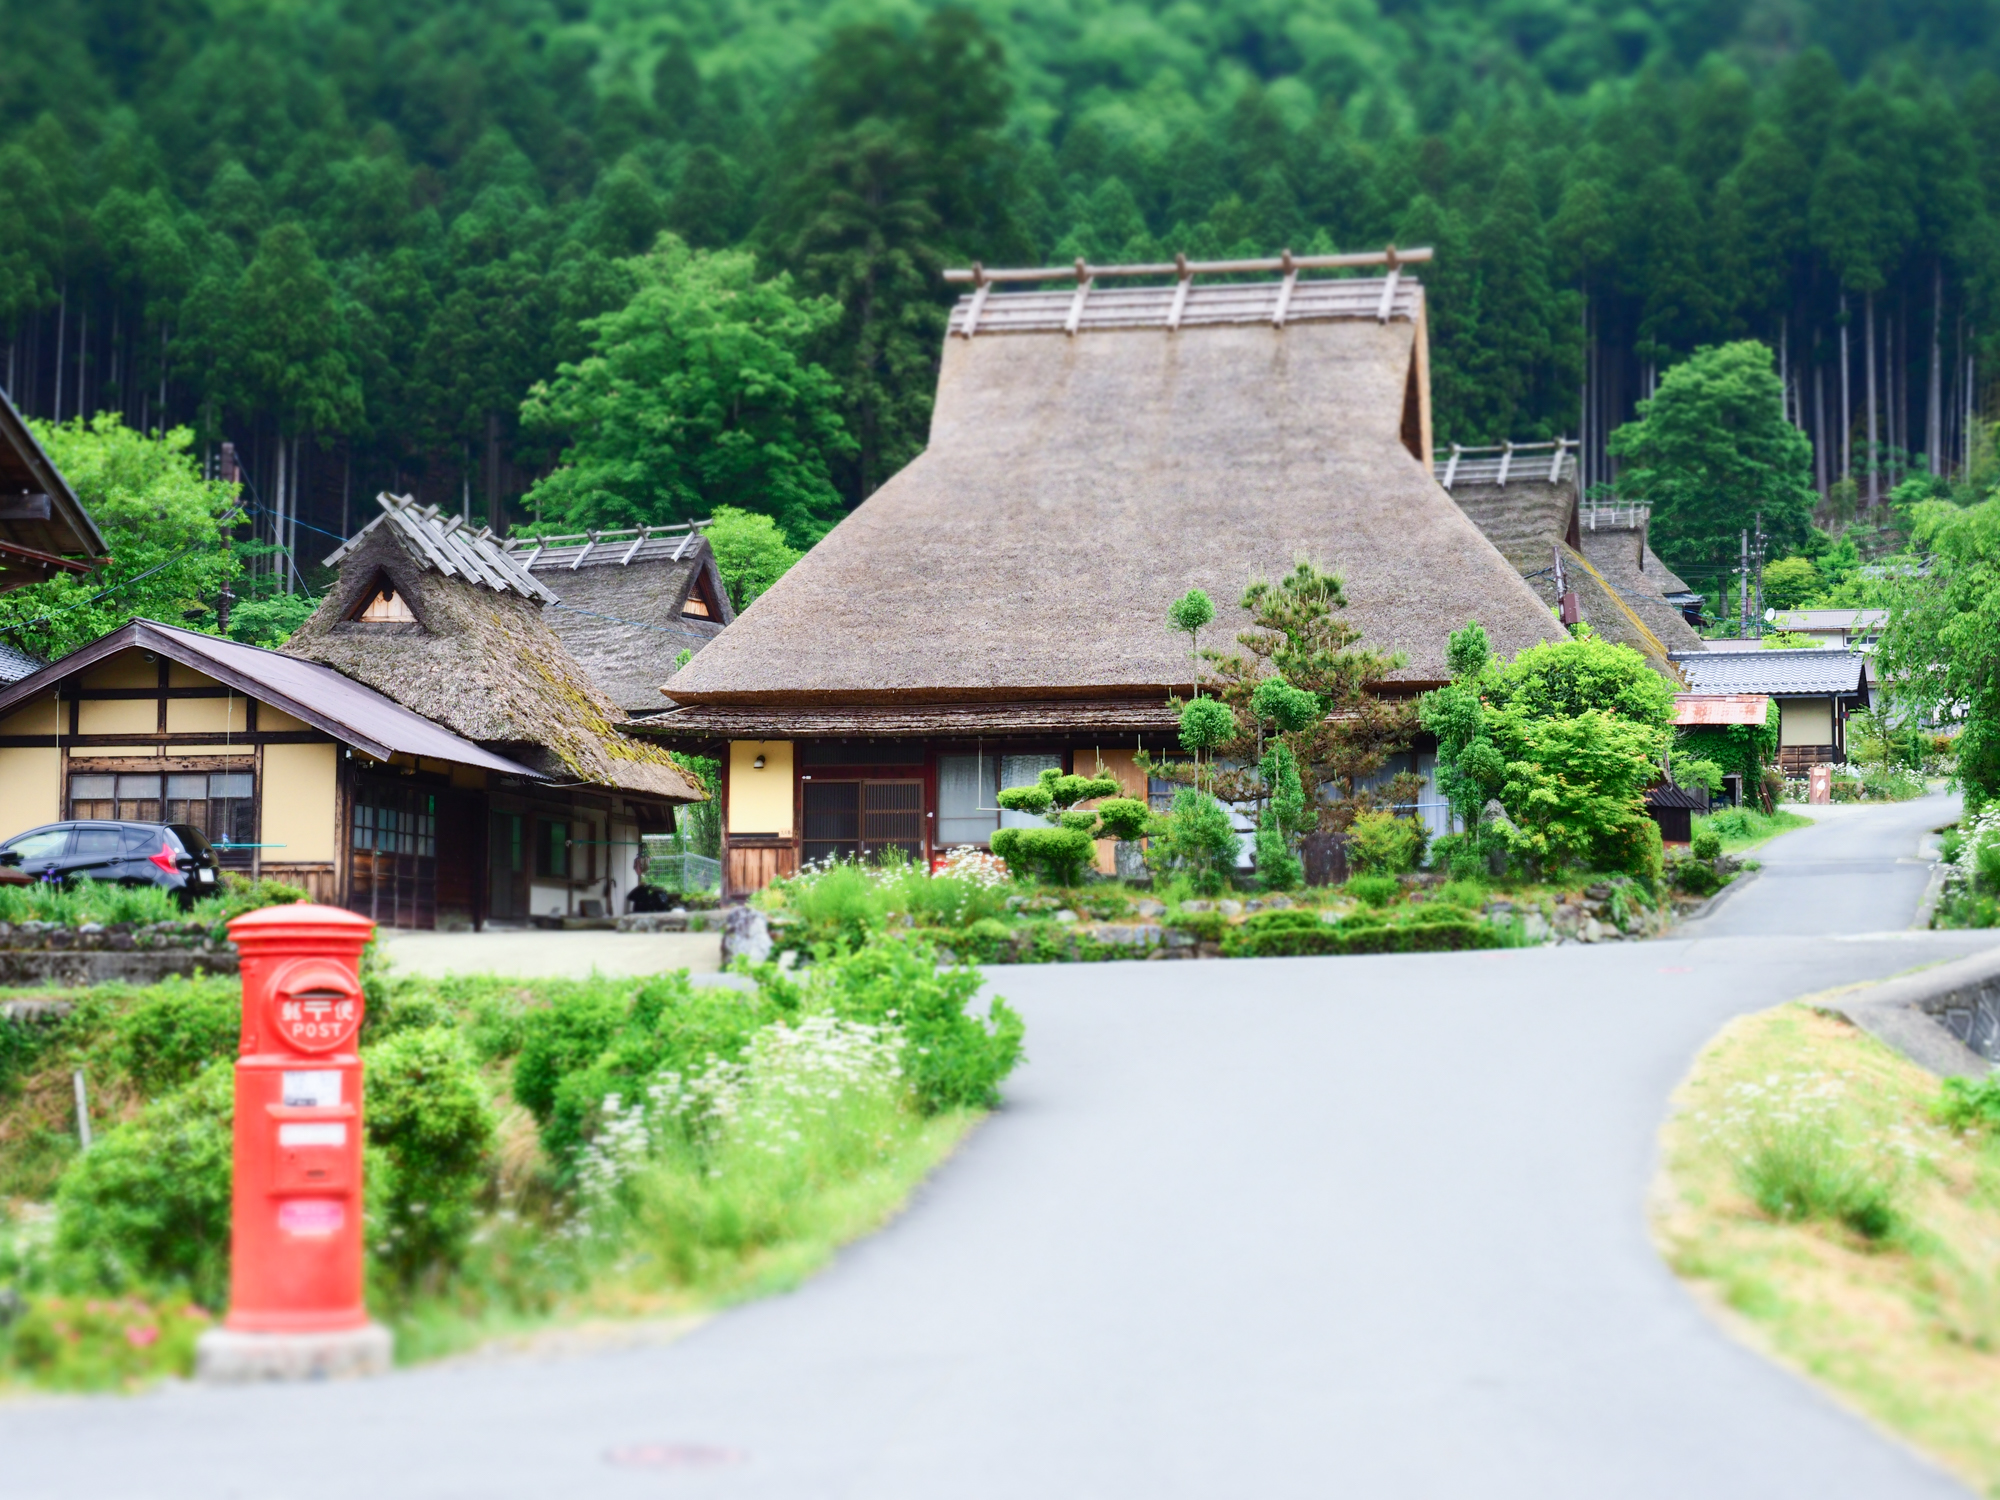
{"type": "Point", "coordinates": [1094, 453]}
{"type": "Point", "coordinates": [1524, 497]}
{"type": "Point", "coordinates": [630, 602]}
{"type": "Point", "coordinates": [448, 623]}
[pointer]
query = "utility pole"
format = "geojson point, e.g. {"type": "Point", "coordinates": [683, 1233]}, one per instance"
{"type": "Point", "coordinates": [1743, 588]}
{"type": "Point", "coordinates": [1758, 558]}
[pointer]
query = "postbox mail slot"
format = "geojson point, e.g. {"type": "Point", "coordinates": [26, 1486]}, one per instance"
{"type": "Point", "coordinates": [300, 1169]}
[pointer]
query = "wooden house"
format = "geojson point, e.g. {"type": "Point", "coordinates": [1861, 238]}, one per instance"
{"type": "Point", "coordinates": [1096, 450]}
{"type": "Point", "coordinates": [291, 769]}
{"type": "Point", "coordinates": [1815, 690]}
{"type": "Point", "coordinates": [449, 624]}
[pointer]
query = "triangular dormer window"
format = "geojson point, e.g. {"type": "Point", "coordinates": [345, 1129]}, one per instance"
{"type": "Point", "coordinates": [382, 605]}
{"type": "Point", "coordinates": [700, 603]}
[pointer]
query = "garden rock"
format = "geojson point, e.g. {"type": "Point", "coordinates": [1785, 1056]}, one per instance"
{"type": "Point", "coordinates": [745, 934]}
{"type": "Point", "coordinates": [1149, 908]}
{"type": "Point", "coordinates": [1230, 908]}
{"type": "Point", "coordinates": [1065, 916]}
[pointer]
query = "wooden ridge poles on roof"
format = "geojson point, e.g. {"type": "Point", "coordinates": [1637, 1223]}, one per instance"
{"type": "Point", "coordinates": [1070, 316]}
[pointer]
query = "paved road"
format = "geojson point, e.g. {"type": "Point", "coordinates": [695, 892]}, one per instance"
{"type": "Point", "coordinates": [1291, 1227]}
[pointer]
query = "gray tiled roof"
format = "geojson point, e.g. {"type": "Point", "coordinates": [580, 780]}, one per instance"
{"type": "Point", "coordinates": [1780, 673]}
{"type": "Point", "coordinates": [16, 663]}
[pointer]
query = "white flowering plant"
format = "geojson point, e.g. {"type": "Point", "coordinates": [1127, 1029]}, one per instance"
{"type": "Point", "coordinates": [1970, 854]}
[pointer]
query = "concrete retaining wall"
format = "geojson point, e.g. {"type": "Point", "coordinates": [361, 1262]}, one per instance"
{"type": "Point", "coordinates": [1946, 1019]}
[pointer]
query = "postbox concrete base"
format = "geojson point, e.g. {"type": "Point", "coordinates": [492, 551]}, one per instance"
{"type": "Point", "coordinates": [224, 1357]}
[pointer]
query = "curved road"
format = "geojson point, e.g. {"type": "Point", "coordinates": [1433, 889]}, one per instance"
{"type": "Point", "coordinates": [1290, 1227]}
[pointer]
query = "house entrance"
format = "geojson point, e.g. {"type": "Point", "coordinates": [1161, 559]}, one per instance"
{"type": "Point", "coordinates": [392, 853]}
{"type": "Point", "coordinates": [859, 819]}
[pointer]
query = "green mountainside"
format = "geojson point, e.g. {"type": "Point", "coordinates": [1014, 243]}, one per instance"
{"type": "Point", "coordinates": [351, 238]}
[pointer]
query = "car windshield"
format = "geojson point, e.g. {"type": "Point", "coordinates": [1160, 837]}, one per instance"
{"type": "Point", "coordinates": [43, 843]}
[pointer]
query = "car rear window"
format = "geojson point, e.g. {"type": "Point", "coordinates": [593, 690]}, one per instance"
{"type": "Point", "coordinates": [192, 839]}
{"type": "Point", "coordinates": [144, 838]}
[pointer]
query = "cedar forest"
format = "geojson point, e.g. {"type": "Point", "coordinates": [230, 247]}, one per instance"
{"type": "Point", "coordinates": [432, 245]}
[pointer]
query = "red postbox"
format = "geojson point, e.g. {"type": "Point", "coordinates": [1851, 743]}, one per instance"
{"type": "Point", "coordinates": [296, 1227]}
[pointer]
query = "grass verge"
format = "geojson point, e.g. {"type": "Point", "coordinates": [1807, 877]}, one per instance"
{"type": "Point", "coordinates": [1808, 1189]}
{"type": "Point", "coordinates": [1742, 828]}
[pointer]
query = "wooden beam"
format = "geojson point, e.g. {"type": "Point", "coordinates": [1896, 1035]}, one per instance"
{"type": "Point", "coordinates": [1389, 257]}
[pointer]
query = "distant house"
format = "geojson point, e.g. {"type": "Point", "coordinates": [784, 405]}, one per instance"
{"type": "Point", "coordinates": [44, 529]}
{"type": "Point", "coordinates": [1836, 629]}
{"type": "Point", "coordinates": [1525, 498]}
{"type": "Point", "coordinates": [1815, 692]}
{"type": "Point", "coordinates": [1706, 714]}
{"type": "Point", "coordinates": [629, 603]}
{"type": "Point", "coordinates": [1097, 449]}
{"type": "Point", "coordinates": [448, 623]}
{"type": "Point", "coordinates": [291, 769]}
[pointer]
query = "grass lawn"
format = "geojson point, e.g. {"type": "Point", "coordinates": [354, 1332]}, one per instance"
{"type": "Point", "coordinates": [1744, 828]}
{"type": "Point", "coordinates": [1809, 1195]}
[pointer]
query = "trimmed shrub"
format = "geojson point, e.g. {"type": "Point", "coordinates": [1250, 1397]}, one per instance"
{"type": "Point", "coordinates": [1707, 844]}
{"type": "Point", "coordinates": [430, 1119]}
{"type": "Point", "coordinates": [1448, 933]}
{"type": "Point", "coordinates": [1374, 890]}
{"type": "Point", "coordinates": [1057, 855]}
{"type": "Point", "coordinates": [1197, 839]}
{"type": "Point", "coordinates": [148, 1205]}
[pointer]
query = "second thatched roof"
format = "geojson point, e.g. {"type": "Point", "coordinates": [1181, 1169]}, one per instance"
{"type": "Point", "coordinates": [1074, 486]}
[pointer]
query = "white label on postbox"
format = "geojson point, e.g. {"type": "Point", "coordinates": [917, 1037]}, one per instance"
{"type": "Point", "coordinates": [311, 1216]}
{"type": "Point", "coordinates": [312, 1133]}
{"type": "Point", "coordinates": [319, 1089]}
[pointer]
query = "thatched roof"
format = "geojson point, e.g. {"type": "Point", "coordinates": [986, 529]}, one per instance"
{"type": "Point", "coordinates": [44, 529]}
{"type": "Point", "coordinates": [1524, 498]}
{"type": "Point", "coordinates": [1074, 486]}
{"type": "Point", "coordinates": [481, 661]}
{"type": "Point", "coordinates": [623, 605]}
{"type": "Point", "coordinates": [442, 544]}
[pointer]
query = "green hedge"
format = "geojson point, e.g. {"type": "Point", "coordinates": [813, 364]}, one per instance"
{"type": "Point", "coordinates": [1298, 938]}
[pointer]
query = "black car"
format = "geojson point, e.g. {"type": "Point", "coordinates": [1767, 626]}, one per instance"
{"type": "Point", "coordinates": [173, 855]}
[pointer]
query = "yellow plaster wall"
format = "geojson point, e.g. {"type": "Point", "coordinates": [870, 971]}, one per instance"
{"type": "Point", "coordinates": [276, 721]}
{"type": "Point", "coordinates": [180, 676]}
{"type": "Point", "coordinates": [208, 715]}
{"type": "Point", "coordinates": [760, 801]}
{"type": "Point", "coordinates": [38, 717]}
{"type": "Point", "coordinates": [299, 802]}
{"type": "Point", "coordinates": [1805, 721]}
{"type": "Point", "coordinates": [118, 716]}
{"type": "Point", "coordinates": [1123, 767]}
{"type": "Point", "coordinates": [128, 669]}
{"type": "Point", "coordinates": [30, 789]}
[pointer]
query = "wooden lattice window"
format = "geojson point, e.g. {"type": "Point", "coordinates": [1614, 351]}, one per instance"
{"type": "Point", "coordinates": [382, 605]}
{"type": "Point", "coordinates": [859, 819]}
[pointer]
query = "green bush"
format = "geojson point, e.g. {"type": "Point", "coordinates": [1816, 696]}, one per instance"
{"type": "Point", "coordinates": [672, 1025]}
{"type": "Point", "coordinates": [148, 1204]}
{"type": "Point", "coordinates": [429, 1117]}
{"type": "Point", "coordinates": [1707, 844]}
{"type": "Point", "coordinates": [1799, 1169]}
{"type": "Point", "coordinates": [1380, 843]}
{"type": "Point", "coordinates": [1057, 855]}
{"type": "Point", "coordinates": [1373, 890]}
{"type": "Point", "coordinates": [950, 1057]}
{"type": "Point", "coordinates": [102, 1343]}
{"type": "Point", "coordinates": [177, 1029]}
{"type": "Point", "coordinates": [1467, 895]}
{"type": "Point", "coordinates": [565, 1037]}
{"type": "Point", "coordinates": [1694, 877]}
{"type": "Point", "coordinates": [1969, 1103]}
{"type": "Point", "coordinates": [1446, 931]}
{"type": "Point", "coordinates": [1203, 926]}
{"type": "Point", "coordinates": [1196, 841]}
